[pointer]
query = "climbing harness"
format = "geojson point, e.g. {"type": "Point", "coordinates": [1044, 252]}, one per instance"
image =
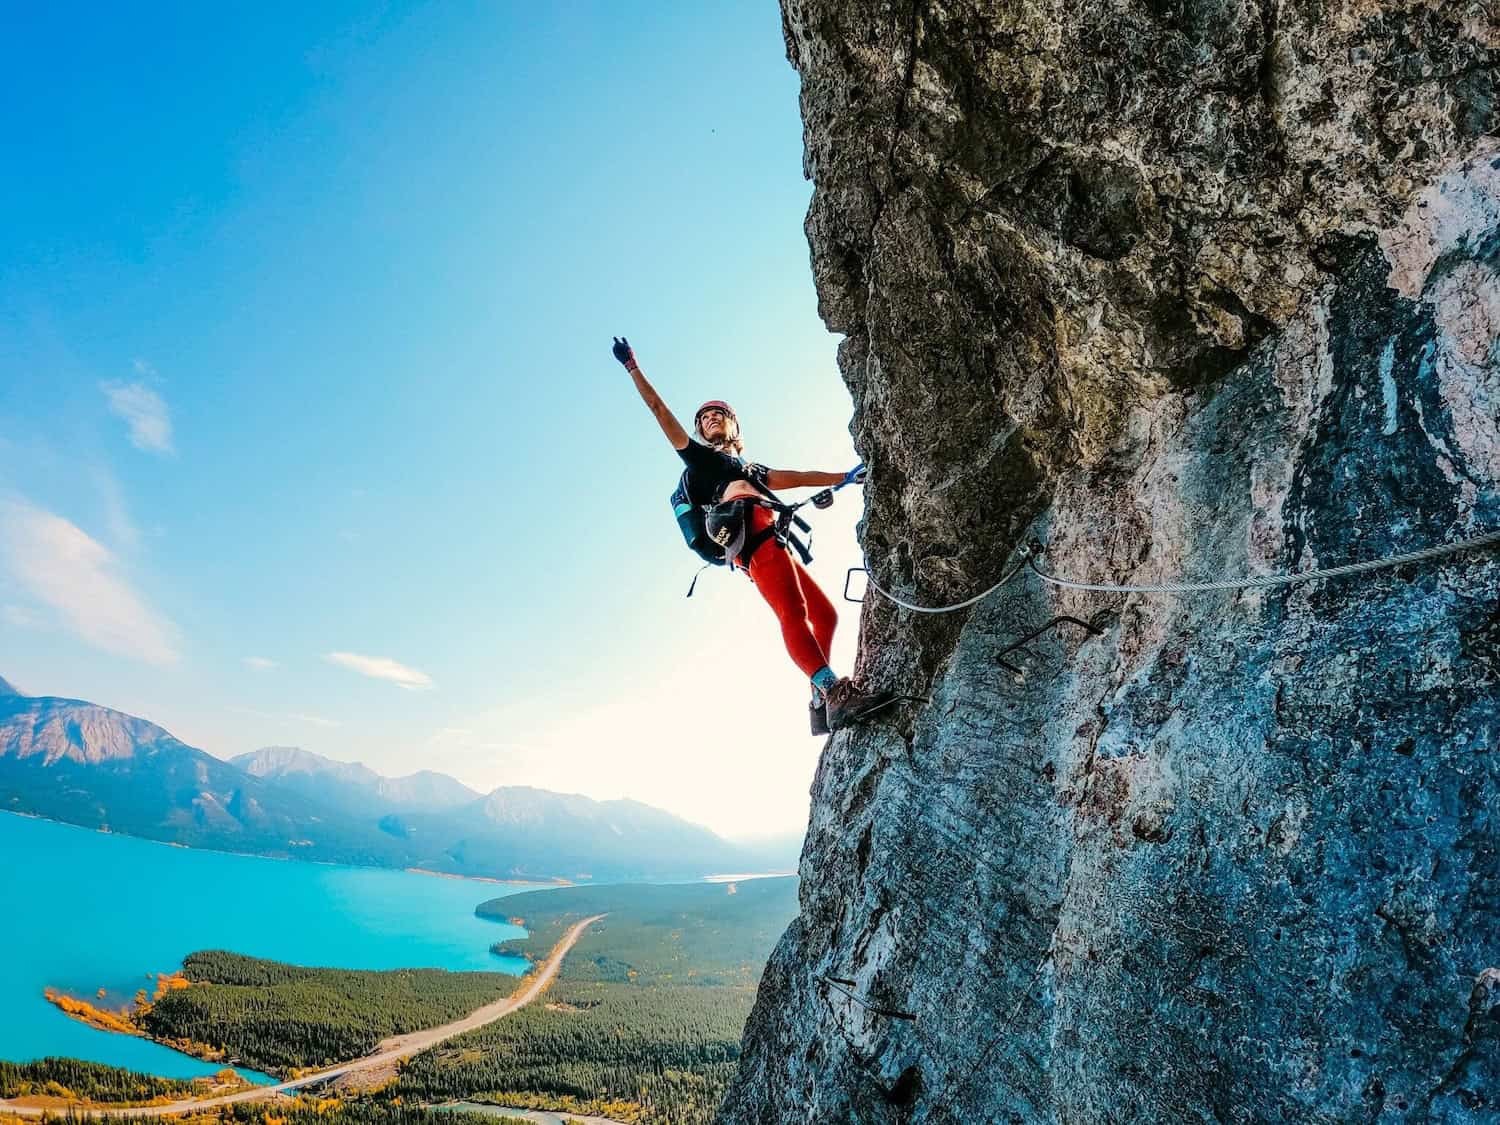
{"type": "Point", "coordinates": [787, 517]}
{"type": "Point", "coordinates": [781, 529]}
{"type": "Point", "coordinates": [718, 533]}
{"type": "Point", "coordinates": [1029, 557]}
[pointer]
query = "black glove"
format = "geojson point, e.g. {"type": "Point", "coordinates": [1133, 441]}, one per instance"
{"type": "Point", "coordinates": [623, 353]}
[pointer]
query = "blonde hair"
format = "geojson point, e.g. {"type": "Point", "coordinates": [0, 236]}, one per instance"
{"type": "Point", "coordinates": [730, 444]}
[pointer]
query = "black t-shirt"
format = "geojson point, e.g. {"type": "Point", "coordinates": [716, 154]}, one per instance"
{"type": "Point", "coordinates": [709, 471]}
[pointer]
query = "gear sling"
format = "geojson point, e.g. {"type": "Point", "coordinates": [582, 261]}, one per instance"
{"type": "Point", "coordinates": [727, 540]}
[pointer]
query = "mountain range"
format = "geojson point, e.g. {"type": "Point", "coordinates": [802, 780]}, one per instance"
{"type": "Point", "coordinates": [85, 764]}
{"type": "Point", "coordinates": [354, 784]}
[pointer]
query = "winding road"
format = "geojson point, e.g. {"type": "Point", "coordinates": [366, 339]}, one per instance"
{"type": "Point", "coordinates": [383, 1058]}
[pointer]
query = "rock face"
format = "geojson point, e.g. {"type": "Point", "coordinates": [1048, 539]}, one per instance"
{"type": "Point", "coordinates": [1184, 289]}
{"type": "Point", "coordinates": [48, 731]}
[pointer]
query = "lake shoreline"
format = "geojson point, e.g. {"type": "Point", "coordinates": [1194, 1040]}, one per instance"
{"type": "Point", "coordinates": [127, 1022]}
{"type": "Point", "coordinates": [540, 882]}
{"type": "Point", "coordinates": [350, 917]}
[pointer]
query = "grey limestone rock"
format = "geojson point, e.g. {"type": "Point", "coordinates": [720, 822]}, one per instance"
{"type": "Point", "coordinates": [1183, 289]}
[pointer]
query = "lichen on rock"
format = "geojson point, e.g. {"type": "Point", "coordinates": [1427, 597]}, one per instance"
{"type": "Point", "coordinates": [1183, 289]}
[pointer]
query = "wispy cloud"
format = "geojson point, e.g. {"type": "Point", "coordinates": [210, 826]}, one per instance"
{"type": "Point", "coordinates": [143, 410]}
{"type": "Point", "coordinates": [22, 617]}
{"type": "Point", "coordinates": [316, 720]}
{"type": "Point", "coordinates": [260, 662]}
{"type": "Point", "coordinates": [60, 565]}
{"type": "Point", "coordinates": [381, 668]}
{"type": "Point", "coordinates": [120, 528]}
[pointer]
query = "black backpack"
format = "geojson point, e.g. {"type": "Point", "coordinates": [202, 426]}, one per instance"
{"type": "Point", "coordinates": [690, 522]}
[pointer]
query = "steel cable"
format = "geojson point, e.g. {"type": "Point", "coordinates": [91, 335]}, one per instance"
{"type": "Point", "coordinates": [890, 597]}
{"type": "Point", "coordinates": [1266, 581]}
{"type": "Point", "coordinates": [1269, 580]}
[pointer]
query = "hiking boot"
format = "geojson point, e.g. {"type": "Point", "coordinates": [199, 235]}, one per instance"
{"type": "Point", "coordinates": [817, 716]}
{"type": "Point", "coordinates": [848, 704]}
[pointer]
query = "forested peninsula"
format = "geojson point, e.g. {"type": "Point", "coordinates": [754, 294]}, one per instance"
{"type": "Point", "coordinates": [285, 1019]}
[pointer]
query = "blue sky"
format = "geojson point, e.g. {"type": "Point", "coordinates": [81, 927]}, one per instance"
{"type": "Point", "coordinates": [305, 315]}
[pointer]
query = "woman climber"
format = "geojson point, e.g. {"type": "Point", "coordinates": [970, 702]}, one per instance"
{"type": "Point", "coordinates": [733, 494]}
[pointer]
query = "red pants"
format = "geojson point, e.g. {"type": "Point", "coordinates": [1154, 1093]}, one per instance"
{"type": "Point", "coordinates": [807, 616]}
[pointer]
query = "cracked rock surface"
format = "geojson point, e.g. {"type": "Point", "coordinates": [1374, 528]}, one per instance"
{"type": "Point", "coordinates": [1184, 289]}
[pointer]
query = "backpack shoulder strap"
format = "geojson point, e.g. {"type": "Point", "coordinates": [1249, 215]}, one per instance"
{"type": "Point", "coordinates": [680, 493]}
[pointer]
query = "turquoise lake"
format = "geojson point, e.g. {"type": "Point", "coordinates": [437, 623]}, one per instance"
{"type": "Point", "coordinates": [84, 910]}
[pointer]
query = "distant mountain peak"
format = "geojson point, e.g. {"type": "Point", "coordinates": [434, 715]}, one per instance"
{"type": "Point", "coordinates": [275, 761]}
{"type": "Point", "coordinates": [346, 782]}
{"type": "Point", "coordinates": [5, 687]}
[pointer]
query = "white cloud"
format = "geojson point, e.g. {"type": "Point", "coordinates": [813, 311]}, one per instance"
{"type": "Point", "coordinates": [381, 668]}
{"type": "Point", "coordinates": [60, 565]}
{"type": "Point", "coordinates": [260, 662]}
{"type": "Point", "coordinates": [144, 412]}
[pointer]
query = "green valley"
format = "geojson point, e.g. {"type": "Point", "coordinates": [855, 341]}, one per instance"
{"type": "Point", "coordinates": [695, 933]}
{"type": "Point", "coordinates": [644, 1024]}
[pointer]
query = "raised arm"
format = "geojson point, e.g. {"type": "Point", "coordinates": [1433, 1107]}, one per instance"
{"type": "Point", "coordinates": [664, 417]}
